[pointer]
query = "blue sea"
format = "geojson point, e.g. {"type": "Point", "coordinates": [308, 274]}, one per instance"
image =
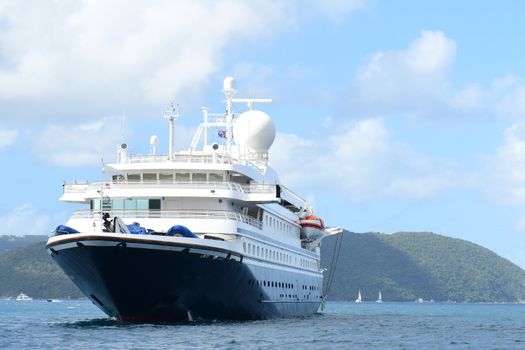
{"type": "Point", "coordinates": [80, 325]}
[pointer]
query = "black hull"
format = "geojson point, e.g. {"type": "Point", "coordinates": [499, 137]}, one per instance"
{"type": "Point", "coordinates": [151, 283]}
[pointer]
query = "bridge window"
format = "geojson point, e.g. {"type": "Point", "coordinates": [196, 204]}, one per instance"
{"type": "Point", "coordinates": [214, 177]}
{"type": "Point", "coordinates": [133, 177]}
{"type": "Point", "coordinates": [165, 177]}
{"type": "Point", "coordinates": [149, 177]}
{"type": "Point", "coordinates": [182, 177]}
{"type": "Point", "coordinates": [117, 204]}
{"type": "Point", "coordinates": [198, 177]}
{"type": "Point", "coordinates": [154, 204]}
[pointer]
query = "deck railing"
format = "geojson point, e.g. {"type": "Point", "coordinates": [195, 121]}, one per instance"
{"type": "Point", "coordinates": [172, 214]}
{"type": "Point", "coordinates": [231, 186]}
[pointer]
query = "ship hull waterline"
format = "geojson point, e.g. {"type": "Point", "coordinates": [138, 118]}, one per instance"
{"type": "Point", "coordinates": [152, 282]}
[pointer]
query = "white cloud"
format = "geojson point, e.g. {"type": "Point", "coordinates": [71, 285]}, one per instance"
{"type": "Point", "coordinates": [84, 144]}
{"type": "Point", "coordinates": [468, 98]}
{"type": "Point", "coordinates": [7, 137]}
{"type": "Point", "coordinates": [89, 143]}
{"type": "Point", "coordinates": [506, 168]}
{"type": "Point", "coordinates": [408, 77]}
{"type": "Point", "coordinates": [361, 162]}
{"type": "Point", "coordinates": [417, 81]}
{"type": "Point", "coordinates": [511, 103]}
{"type": "Point", "coordinates": [81, 51]}
{"type": "Point", "coordinates": [25, 220]}
{"type": "Point", "coordinates": [103, 48]}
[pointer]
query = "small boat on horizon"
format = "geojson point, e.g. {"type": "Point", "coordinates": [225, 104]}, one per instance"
{"type": "Point", "coordinates": [380, 298]}
{"type": "Point", "coordinates": [23, 297]}
{"type": "Point", "coordinates": [359, 299]}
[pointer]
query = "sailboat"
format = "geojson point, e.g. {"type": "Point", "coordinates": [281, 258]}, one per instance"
{"type": "Point", "coordinates": [358, 300]}
{"type": "Point", "coordinates": [380, 299]}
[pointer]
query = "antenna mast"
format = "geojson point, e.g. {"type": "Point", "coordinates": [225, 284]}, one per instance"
{"type": "Point", "coordinates": [228, 88]}
{"type": "Point", "coordinates": [172, 113]}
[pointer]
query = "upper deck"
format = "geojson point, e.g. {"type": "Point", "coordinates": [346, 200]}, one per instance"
{"type": "Point", "coordinates": [225, 167]}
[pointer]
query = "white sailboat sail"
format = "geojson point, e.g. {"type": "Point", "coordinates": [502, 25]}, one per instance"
{"type": "Point", "coordinates": [380, 299]}
{"type": "Point", "coordinates": [358, 300]}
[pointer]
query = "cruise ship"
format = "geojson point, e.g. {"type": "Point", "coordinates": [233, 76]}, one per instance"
{"type": "Point", "coordinates": [205, 233]}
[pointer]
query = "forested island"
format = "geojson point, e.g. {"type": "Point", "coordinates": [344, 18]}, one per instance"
{"type": "Point", "coordinates": [406, 266]}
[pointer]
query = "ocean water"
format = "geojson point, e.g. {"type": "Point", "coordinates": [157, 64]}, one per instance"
{"type": "Point", "coordinates": [80, 325]}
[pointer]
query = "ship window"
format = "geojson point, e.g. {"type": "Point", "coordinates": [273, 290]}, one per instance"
{"type": "Point", "coordinates": [154, 204]}
{"type": "Point", "coordinates": [142, 204]}
{"type": "Point", "coordinates": [133, 177]}
{"type": "Point", "coordinates": [257, 250]}
{"type": "Point", "coordinates": [244, 246]}
{"type": "Point", "coordinates": [214, 177]}
{"type": "Point", "coordinates": [164, 177]}
{"type": "Point", "coordinates": [118, 204]}
{"type": "Point", "coordinates": [198, 177]}
{"type": "Point", "coordinates": [95, 204]}
{"type": "Point", "coordinates": [130, 204]}
{"type": "Point", "coordinates": [149, 177]}
{"type": "Point", "coordinates": [182, 177]}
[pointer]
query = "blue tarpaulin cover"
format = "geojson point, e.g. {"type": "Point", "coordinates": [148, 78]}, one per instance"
{"type": "Point", "coordinates": [179, 230]}
{"type": "Point", "coordinates": [64, 230]}
{"type": "Point", "coordinates": [136, 229]}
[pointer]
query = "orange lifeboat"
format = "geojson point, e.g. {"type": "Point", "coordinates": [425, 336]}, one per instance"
{"type": "Point", "coordinates": [312, 227]}
{"type": "Point", "coordinates": [311, 221]}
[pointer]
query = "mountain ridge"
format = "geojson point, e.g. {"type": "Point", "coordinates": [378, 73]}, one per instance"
{"type": "Point", "coordinates": [411, 265]}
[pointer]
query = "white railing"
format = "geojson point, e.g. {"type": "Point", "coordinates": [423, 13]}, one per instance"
{"type": "Point", "coordinates": [259, 162]}
{"type": "Point", "coordinates": [171, 214]}
{"type": "Point", "coordinates": [230, 186]}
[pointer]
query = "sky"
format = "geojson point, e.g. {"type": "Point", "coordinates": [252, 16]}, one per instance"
{"type": "Point", "coordinates": [390, 115]}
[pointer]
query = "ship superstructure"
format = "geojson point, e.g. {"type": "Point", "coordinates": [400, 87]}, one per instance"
{"type": "Point", "coordinates": [209, 232]}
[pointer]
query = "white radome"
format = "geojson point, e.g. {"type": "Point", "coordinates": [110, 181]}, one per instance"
{"type": "Point", "coordinates": [228, 84]}
{"type": "Point", "coordinates": [254, 130]}
{"type": "Point", "coordinates": [153, 140]}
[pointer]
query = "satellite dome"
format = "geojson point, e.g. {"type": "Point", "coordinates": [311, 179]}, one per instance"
{"type": "Point", "coordinates": [228, 84]}
{"type": "Point", "coordinates": [254, 130]}
{"type": "Point", "coordinates": [153, 140]}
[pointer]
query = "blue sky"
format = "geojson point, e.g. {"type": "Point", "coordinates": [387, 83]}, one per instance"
{"type": "Point", "coordinates": [391, 116]}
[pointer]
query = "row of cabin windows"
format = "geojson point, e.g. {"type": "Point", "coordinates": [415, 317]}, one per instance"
{"type": "Point", "coordinates": [310, 288]}
{"type": "Point", "coordinates": [261, 252]}
{"type": "Point", "coordinates": [278, 224]}
{"type": "Point", "coordinates": [274, 284]}
{"type": "Point", "coordinates": [125, 204]}
{"type": "Point", "coordinates": [169, 177]}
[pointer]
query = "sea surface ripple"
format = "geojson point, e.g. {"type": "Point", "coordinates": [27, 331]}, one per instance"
{"type": "Point", "coordinates": [80, 325]}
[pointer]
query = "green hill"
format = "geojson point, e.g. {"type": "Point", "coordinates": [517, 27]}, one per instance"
{"type": "Point", "coordinates": [31, 270]}
{"type": "Point", "coordinates": [407, 266]}
{"type": "Point", "coordinates": [8, 242]}
{"type": "Point", "coordinates": [403, 266]}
